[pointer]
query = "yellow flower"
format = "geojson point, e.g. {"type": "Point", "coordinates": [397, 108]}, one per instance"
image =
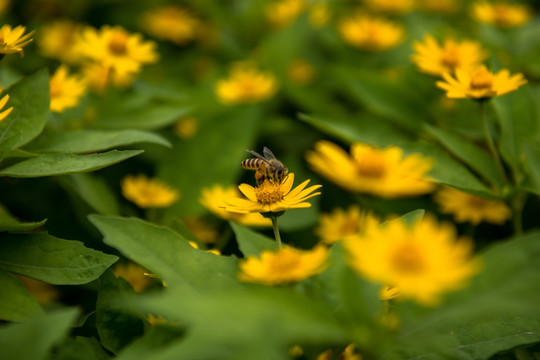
{"type": "Point", "coordinates": [116, 48]}
{"type": "Point", "coordinates": [435, 59]}
{"type": "Point", "coordinates": [133, 274]}
{"type": "Point", "coordinates": [204, 232]}
{"type": "Point", "coordinates": [12, 39]}
{"type": "Point", "coordinates": [470, 208]}
{"type": "Point", "coordinates": [424, 260]}
{"type": "Point", "coordinates": [99, 77]}
{"type": "Point", "coordinates": [370, 33]}
{"type": "Point", "coordinates": [57, 40]}
{"type": "Point", "coordinates": [5, 6]}
{"type": "Point", "coordinates": [272, 197]}
{"type": "Point", "coordinates": [301, 72]}
{"type": "Point", "coordinates": [283, 12]}
{"type": "Point", "coordinates": [350, 353]}
{"type": "Point", "coordinates": [4, 114]}
{"type": "Point", "coordinates": [212, 198]}
{"type": "Point", "coordinates": [171, 23]}
{"type": "Point", "coordinates": [285, 265]}
{"type": "Point", "coordinates": [43, 292]}
{"type": "Point", "coordinates": [440, 6]}
{"type": "Point", "coordinates": [319, 14]}
{"type": "Point", "coordinates": [501, 14]}
{"type": "Point", "coordinates": [186, 127]}
{"type": "Point", "coordinates": [340, 224]}
{"type": "Point", "coordinates": [148, 193]}
{"type": "Point", "coordinates": [391, 6]}
{"type": "Point", "coordinates": [246, 84]}
{"type": "Point", "coordinates": [480, 83]}
{"type": "Point", "coordinates": [380, 172]}
{"type": "Point", "coordinates": [65, 91]}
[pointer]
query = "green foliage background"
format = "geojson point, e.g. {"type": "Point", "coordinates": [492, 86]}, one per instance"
{"type": "Point", "coordinates": [63, 219]}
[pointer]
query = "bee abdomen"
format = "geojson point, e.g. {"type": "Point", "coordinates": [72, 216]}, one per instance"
{"type": "Point", "coordinates": [251, 164]}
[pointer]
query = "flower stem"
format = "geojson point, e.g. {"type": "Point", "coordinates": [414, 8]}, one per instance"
{"type": "Point", "coordinates": [276, 230]}
{"type": "Point", "coordinates": [490, 142]}
{"type": "Point", "coordinates": [517, 203]}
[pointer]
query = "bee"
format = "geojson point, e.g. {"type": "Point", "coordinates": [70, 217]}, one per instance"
{"type": "Point", "coordinates": [266, 167]}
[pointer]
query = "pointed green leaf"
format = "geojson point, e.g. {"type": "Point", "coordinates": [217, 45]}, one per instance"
{"type": "Point", "coordinates": [95, 192]}
{"type": "Point", "coordinates": [16, 303]}
{"type": "Point", "coordinates": [66, 163]}
{"type": "Point", "coordinates": [88, 141]}
{"type": "Point", "coordinates": [30, 100]}
{"type": "Point", "coordinates": [250, 242]}
{"type": "Point", "coordinates": [34, 339]}
{"type": "Point", "coordinates": [167, 254]}
{"type": "Point", "coordinates": [56, 261]}
{"type": "Point", "coordinates": [9, 223]}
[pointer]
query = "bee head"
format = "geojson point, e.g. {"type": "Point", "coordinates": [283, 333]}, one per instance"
{"type": "Point", "coordinates": [282, 172]}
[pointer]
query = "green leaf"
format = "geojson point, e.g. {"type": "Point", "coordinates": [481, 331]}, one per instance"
{"type": "Point", "coordinates": [30, 100]}
{"type": "Point", "coordinates": [167, 254]}
{"type": "Point", "coordinates": [88, 141]}
{"type": "Point", "coordinates": [477, 158]}
{"type": "Point", "coordinates": [155, 341]}
{"type": "Point", "coordinates": [16, 303]}
{"type": "Point", "coordinates": [95, 192]}
{"type": "Point", "coordinates": [411, 217]}
{"type": "Point", "coordinates": [53, 260]}
{"type": "Point", "coordinates": [33, 340]}
{"type": "Point", "coordinates": [250, 242]}
{"type": "Point", "coordinates": [61, 164]}
{"type": "Point", "coordinates": [80, 348]}
{"type": "Point", "coordinates": [9, 223]}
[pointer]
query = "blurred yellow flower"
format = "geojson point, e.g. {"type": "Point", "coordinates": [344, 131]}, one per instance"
{"type": "Point", "coordinates": [470, 208]}
{"type": "Point", "coordinates": [340, 224]}
{"type": "Point", "coordinates": [43, 292]}
{"type": "Point", "coordinates": [203, 231]}
{"type": "Point", "coordinates": [501, 13]}
{"type": "Point", "coordinates": [4, 114]}
{"type": "Point", "coordinates": [440, 6]}
{"type": "Point", "coordinates": [435, 59]}
{"type": "Point", "coordinates": [370, 33]}
{"type": "Point", "coordinates": [380, 172]}
{"type": "Point", "coordinates": [148, 193]}
{"type": "Point", "coordinates": [133, 274]}
{"type": "Point", "coordinates": [272, 197]}
{"type": "Point", "coordinates": [99, 77]}
{"type": "Point", "coordinates": [246, 84]}
{"type": "Point", "coordinates": [213, 197]}
{"type": "Point", "coordinates": [5, 6]}
{"type": "Point", "coordinates": [12, 39]}
{"type": "Point", "coordinates": [171, 23]}
{"type": "Point", "coordinates": [319, 14]}
{"type": "Point", "coordinates": [65, 91]}
{"type": "Point", "coordinates": [350, 353]}
{"type": "Point", "coordinates": [116, 48]}
{"type": "Point", "coordinates": [186, 127]}
{"type": "Point", "coordinates": [424, 260]}
{"type": "Point", "coordinates": [57, 40]}
{"type": "Point", "coordinates": [480, 83]}
{"type": "Point", "coordinates": [283, 12]}
{"type": "Point", "coordinates": [301, 72]}
{"type": "Point", "coordinates": [391, 6]}
{"type": "Point", "coordinates": [285, 265]}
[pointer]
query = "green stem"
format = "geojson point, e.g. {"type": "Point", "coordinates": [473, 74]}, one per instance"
{"type": "Point", "coordinates": [517, 202]}
{"type": "Point", "coordinates": [276, 230]}
{"type": "Point", "coordinates": [490, 142]}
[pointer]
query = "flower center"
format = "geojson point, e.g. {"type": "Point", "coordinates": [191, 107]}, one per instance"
{"type": "Point", "coordinates": [500, 13]}
{"type": "Point", "coordinates": [284, 263]}
{"type": "Point", "coordinates": [481, 79]}
{"type": "Point", "coordinates": [269, 192]}
{"type": "Point", "coordinates": [372, 166]}
{"type": "Point", "coordinates": [55, 89]}
{"type": "Point", "coordinates": [477, 202]}
{"type": "Point", "coordinates": [408, 260]}
{"type": "Point", "coordinates": [450, 57]}
{"type": "Point", "coordinates": [118, 43]}
{"type": "Point", "coordinates": [349, 227]}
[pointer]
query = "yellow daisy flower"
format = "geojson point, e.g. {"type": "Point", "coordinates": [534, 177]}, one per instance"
{"type": "Point", "coordinates": [435, 59]}
{"type": "Point", "coordinates": [285, 265]}
{"type": "Point", "coordinates": [246, 84]}
{"type": "Point", "coordinates": [171, 23]}
{"type": "Point", "coordinates": [57, 40]}
{"type": "Point", "coordinates": [4, 114]}
{"type": "Point", "coordinates": [116, 48]}
{"type": "Point", "coordinates": [370, 33]}
{"type": "Point", "coordinates": [272, 197]}
{"type": "Point", "coordinates": [65, 91]}
{"type": "Point", "coordinates": [391, 6]}
{"type": "Point", "coordinates": [99, 77]}
{"type": "Point", "coordinates": [470, 208]}
{"type": "Point", "coordinates": [301, 72]}
{"type": "Point", "coordinates": [283, 12]}
{"type": "Point", "coordinates": [423, 261]}
{"type": "Point", "coordinates": [186, 127]}
{"type": "Point", "coordinates": [501, 13]}
{"type": "Point", "coordinates": [148, 193]}
{"type": "Point", "coordinates": [12, 39]}
{"type": "Point", "coordinates": [212, 198]}
{"type": "Point", "coordinates": [340, 224]}
{"type": "Point", "coordinates": [133, 274]}
{"type": "Point", "coordinates": [380, 172]}
{"type": "Point", "coordinates": [480, 83]}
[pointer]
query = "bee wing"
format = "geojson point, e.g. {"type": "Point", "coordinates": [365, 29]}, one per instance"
{"type": "Point", "coordinates": [257, 155]}
{"type": "Point", "coordinates": [268, 154]}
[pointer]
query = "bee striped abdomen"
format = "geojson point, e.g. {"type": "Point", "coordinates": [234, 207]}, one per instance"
{"type": "Point", "coordinates": [252, 164]}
